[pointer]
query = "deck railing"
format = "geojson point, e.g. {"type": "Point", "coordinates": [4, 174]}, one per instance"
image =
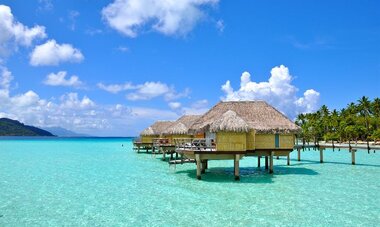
{"type": "Point", "coordinates": [195, 144]}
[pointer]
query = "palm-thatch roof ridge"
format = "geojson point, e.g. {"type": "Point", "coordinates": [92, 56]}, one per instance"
{"type": "Point", "coordinates": [157, 128]}
{"type": "Point", "coordinates": [182, 125]}
{"type": "Point", "coordinates": [258, 115]}
{"type": "Point", "coordinates": [229, 122]}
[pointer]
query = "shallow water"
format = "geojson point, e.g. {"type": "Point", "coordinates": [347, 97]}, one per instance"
{"type": "Point", "coordinates": [99, 182]}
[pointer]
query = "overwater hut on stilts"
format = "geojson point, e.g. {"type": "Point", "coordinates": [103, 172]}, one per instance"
{"type": "Point", "coordinates": [242, 128]}
{"type": "Point", "coordinates": [179, 130]}
{"type": "Point", "coordinates": [149, 135]}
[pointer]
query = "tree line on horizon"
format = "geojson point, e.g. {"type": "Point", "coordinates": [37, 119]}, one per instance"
{"type": "Point", "coordinates": [358, 121]}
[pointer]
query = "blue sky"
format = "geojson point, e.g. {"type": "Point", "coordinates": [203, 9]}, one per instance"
{"type": "Point", "coordinates": [113, 67]}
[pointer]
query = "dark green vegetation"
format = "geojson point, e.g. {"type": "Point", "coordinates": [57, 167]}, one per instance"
{"type": "Point", "coordinates": [358, 121]}
{"type": "Point", "coordinates": [10, 127]}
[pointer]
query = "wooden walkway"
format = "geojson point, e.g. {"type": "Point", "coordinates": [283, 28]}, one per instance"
{"type": "Point", "coordinates": [201, 157]}
{"type": "Point", "coordinates": [352, 148]}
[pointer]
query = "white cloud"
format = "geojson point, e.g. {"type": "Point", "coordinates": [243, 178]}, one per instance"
{"type": "Point", "coordinates": [14, 33]}
{"type": "Point", "coordinates": [146, 91]}
{"type": "Point", "coordinates": [72, 101]}
{"type": "Point", "coordinates": [198, 107]}
{"type": "Point", "coordinates": [123, 49]}
{"type": "Point", "coordinates": [45, 5]}
{"type": "Point", "coordinates": [150, 90]}
{"type": "Point", "coordinates": [52, 53]}
{"type": "Point", "coordinates": [5, 79]}
{"type": "Point", "coordinates": [73, 19]}
{"type": "Point", "coordinates": [59, 79]}
{"type": "Point", "coordinates": [220, 25]}
{"type": "Point", "coordinates": [116, 88]}
{"type": "Point", "coordinates": [74, 112]}
{"type": "Point", "coordinates": [277, 91]}
{"type": "Point", "coordinates": [174, 105]}
{"type": "Point", "coordinates": [170, 17]}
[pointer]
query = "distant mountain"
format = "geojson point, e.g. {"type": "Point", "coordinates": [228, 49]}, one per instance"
{"type": "Point", "coordinates": [9, 127]}
{"type": "Point", "coordinates": [62, 132]}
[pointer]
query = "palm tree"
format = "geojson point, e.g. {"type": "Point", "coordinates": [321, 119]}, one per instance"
{"type": "Point", "coordinates": [364, 108]}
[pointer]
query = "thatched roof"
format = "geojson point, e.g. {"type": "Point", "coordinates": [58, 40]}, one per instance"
{"type": "Point", "coordinates": [229, 122]}
{"type": "Point", "coordinates": [182, 125]}
{"type": "Point", "coordinates": [157, 128]}
{"type": "Point", "coordinates": [258, 115]}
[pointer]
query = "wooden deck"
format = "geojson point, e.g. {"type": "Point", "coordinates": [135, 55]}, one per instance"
{"type": "Point", "coordinates": [201, 154]}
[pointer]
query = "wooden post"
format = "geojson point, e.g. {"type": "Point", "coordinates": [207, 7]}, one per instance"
{"type": "Point", "coordinates": [321, 154]}
{"type": "Point", "coordinates": [206, 164]}
{"type": "Point", "coordinates": [258, 161]}
{"type": "Point", "coordinates": [163, 154]}
{"type": "Point", "coordinates": [299, 154]}
{"type": "Point", "coordinates": [288, 160]}
{"type": "Point", "coordinates": [203, 165]}
{"type": "Point", "coordinates": [353, 151]}
{"type": "Point", "coordinates": [198, 160]}
{"type": "Point", "coordinates": [236, 167]}
{"type": "Point", "coordinates": [266, 162]}
{"type": "Point", "coordinates": [271, 162]}
{"type": "Point", "coordinates": [278, 157]}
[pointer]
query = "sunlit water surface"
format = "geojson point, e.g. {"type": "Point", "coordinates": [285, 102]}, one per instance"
{"type": "Point", "coordinates": [99, 182]}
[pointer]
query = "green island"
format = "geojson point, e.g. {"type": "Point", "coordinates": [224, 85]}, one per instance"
{"type": "Point", "coordinates": [359, 121]}
{"type": "Point", "coordinates": [9, 127]}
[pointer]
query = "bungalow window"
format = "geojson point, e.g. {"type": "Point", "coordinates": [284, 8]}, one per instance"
{"type": "Point", "coordinates": [277, 141]}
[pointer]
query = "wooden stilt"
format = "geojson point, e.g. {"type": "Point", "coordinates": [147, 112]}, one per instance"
{"type": "Point", "coordinates": [163, 155]}
{"type": "Point", "coordinates": [266, 162]}
{"type": "Point", "coordinates": [258, 161]}
{"type": "Point", "coordinates": [288, 160]}
{"type": "Point", "coordinates": [321, 154]}
{"type": "Point", "coordinates": [206, 164]}
{"type": "Point", "coordinates": [353, 151]}
{"type": "Point", "coordinates": [278, 157]}
{"type": "Point", "coordinates": [299, 154]}
{"type": "Point", "coordinates": [171, 155]}
{"type": "Point", "coordinates": [203, 166]}
{"type": "Point", "coordinates": [198, 161]}
{"type": "Point", "coordinates": [271, 162]}
{"type": "Point", "coordinates": [236, 167]}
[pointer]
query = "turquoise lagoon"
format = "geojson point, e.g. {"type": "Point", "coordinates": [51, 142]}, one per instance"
{"type": "Point", "coordinates": [99, 182]}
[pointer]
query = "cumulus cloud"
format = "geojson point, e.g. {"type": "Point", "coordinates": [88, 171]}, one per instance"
{"type": "Point", "coordinates": [150, 90]}
{"type": "Point", "coordinates": [170, 17]}
{"type": "Point", "coordinates": [52, 53]}
{"type": "Point", "coordinates": [72, 101]}
{"type": "Point", "coordinates": [45, 5]}
{"type": "Point", "coordinates": [174, 105]}
{"type": "Point", "coordinates": [59, 79]}
{"type": "Point", "coordinates": [75, 112]}
{"type": "Point", "coordinates": [145, 91]}
{"type": "Point", "coordinates": [220, 25]}
{"type": "Point", "coordinates": [116, 88]}
{"type": "Point", "coordinates": [14, 33]}
{"type": "Point", "coordinates": [277, 91]}
{"type": "Point", "coordinates": [198, 107]}
{"type": "Point", "coordinates": [5, 79]}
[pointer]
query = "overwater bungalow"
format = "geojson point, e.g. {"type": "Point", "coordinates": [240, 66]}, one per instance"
{"type": "Point", "coordinates": [179, 130]}
{"type": "Point", "coordinates": [242, 128]}
{"type": "Point", "coordinates": [150, 134]}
